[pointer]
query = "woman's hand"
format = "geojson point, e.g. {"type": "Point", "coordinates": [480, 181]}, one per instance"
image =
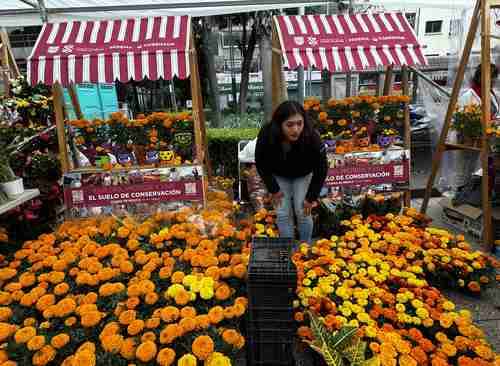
{"type": "Point", "coordinates": [308, 206]}
{"type": "Point", "coordinates": [276, 199]}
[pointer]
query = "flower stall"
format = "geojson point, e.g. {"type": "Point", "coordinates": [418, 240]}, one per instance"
{"type": "Point", "coordinates": [368, 137]}
{"type": "Point", "coordinates": [115, 164]}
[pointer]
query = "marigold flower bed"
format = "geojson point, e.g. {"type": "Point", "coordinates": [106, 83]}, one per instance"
{"type": "Point", "coordinates": [378, 275]}
{"type": "Point", "coordinates": [168, 290]}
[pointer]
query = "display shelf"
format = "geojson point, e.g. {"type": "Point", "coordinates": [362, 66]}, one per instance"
{"type": "Point", "coordinates": [28, 194]}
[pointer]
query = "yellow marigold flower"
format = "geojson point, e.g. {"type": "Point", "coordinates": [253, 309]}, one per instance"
{"type": "Point", "coordinates": [187, 360]}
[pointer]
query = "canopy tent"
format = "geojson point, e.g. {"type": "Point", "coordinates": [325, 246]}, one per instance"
{"type": "Point", "coordinates": [105, 51]}
{"type": "Point", "coordinates": [348, 42]}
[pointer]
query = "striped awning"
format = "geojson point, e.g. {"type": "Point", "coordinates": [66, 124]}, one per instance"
{"type": "Point", "coordinates": [348, 42]}
{"type": "Point", "coordinates": [105, 51]}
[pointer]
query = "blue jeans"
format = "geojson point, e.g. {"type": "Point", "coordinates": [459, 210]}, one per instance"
{"type": "Point", "coordinates": [294, 193]}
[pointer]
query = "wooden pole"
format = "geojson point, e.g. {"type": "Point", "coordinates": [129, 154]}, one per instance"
{"type": "Point", "coordinates": [485, 119]}
{"type": "Point", "coordinates": [11, 61]}
{"type": "Point", "coordinates": [198, 114]}
{"type": "Point", "coordinates": [58, 101]}
{"type": "Point", "coordinates": [279, 87]}
{"type": "Point", "coordinates": [388, 80]}
{"type": "Point", "coordinates": [407, 127]}
{"type": "Point", "coordinates": [4, 69]}
{"type": "Point", "coordinates": [75, 101]}
{"type": "Point", "coordinates": [436, 161]}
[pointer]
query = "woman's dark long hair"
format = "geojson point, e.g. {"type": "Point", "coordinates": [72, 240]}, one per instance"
{"type": "Point", "coordinates": [476, 79]}
{"type": "Point", "coordinates": [284, 111]}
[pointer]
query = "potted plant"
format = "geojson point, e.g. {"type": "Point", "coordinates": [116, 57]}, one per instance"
{"type": "Point", "coordinates": [467, 123]}
{"type": "Point", "coordinates": [386, 137]}
{"type": "Point", "coordinates": [10, 184]}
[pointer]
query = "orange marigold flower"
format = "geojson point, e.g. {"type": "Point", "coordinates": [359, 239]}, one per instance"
{"type": "Point", "coordinates": [60, 340]}
{"type": "Point", "coordinates": [23, 335]}
{"type": "Point", "coordinates": [203, 321]}
{"type": "Point", "coordinates": [146, 351]}
{"type": "Point", "coordinates": [223, 292]}
{"type": "Point", "coordinates": [166, 357]}
{"type": "Point", "coordinates": [169, 314]}
{"type": "Point", "coordinates": [203, 347]}
{"type": "Point", "coordinates": [216, 314]}
{"type": "Point", "coordinates": [112, 343]}
{"type": "Point", "coordinates": [127, 349]}
{"type": "Point", "coordinates": [148, 336]}
{"type": "Point", "coordinates": [485, 352]}
{"type": "Point", "coordinates": [188, 312]}
{"type": "Point", "coordinates": [127, 317]}
{"type": "Point", "coordinates": [239, 271]}
{"type": "Point", "coordinates": [135, 327]}
{"type": "Point", "coordinates": [133, 302]}
{"type": "Point", "coordinates": [406, 360]}
{"type": "Point", "coordinates": [230, 336]}
{"type": "Point", "coordinates": [44, 356]}
{"type": "Point", "coordinates": [187, 325]}
{"type": "Point", "coordinates": [152, 323]}
{"type": "Point", "coordinates": [91, 318]}
{"type": "Point", "coordinates": [170, 333]}
{"type": "Point", "coordinates": [305, 332]}
{"type": "Point", "coordinates": [35, 343]}
{"type": "Point", "coordinates": [182, 297]}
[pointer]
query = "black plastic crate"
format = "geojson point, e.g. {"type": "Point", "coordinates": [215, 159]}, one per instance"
{"type": "Point", "coordinates": [285, 334]}
{"type": "Point", "coordinates": [270, 313]}
{"type": "Point", "coordinates": [271, 261]}
{"type": "Point", "coordinates": [270, 296]}
{"type": "Point", "coordinates": [269, 353]}
{"type": "Point", "coordinates": [288, 326]}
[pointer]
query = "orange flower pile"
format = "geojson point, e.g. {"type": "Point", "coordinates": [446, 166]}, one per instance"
{"type": "Point", "coordinates": [124, 291]}
{"type": "Point", "coordinates": [377, 277]}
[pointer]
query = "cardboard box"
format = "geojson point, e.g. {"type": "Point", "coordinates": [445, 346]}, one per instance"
{"type": "Point", "coordinates": [469, 219]}
{"type": "Point", "coordinates": [465, 218]}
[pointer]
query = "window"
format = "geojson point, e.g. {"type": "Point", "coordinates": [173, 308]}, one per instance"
{"type": "Point", "coordinates": [411, 17]}
{"type": "Point", "coordinates": [434, 26]}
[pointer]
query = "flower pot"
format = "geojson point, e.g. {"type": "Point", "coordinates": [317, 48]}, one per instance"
{"type": "Point", "coordinates": [385, 141]}
{"type": "Point", "coordinates": [13, 188]}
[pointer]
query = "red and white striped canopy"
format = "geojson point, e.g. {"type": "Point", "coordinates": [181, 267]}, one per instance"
{"type": "Point", "coordinates": [348, 42]}
{"type": "Point", "coordinates": [105, 51]}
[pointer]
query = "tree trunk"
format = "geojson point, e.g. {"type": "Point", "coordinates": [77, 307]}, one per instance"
{"type": "Point", "coordinates": [266, 59]}
{"type": "Point", "coordinates": [248, 52]}
{"type": "Point", "coordinates": [209, 45]}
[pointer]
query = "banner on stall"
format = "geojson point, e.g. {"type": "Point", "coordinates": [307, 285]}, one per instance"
{"type": "Point", "coordinates": [362, 169]}
{"type": "Point", "coordinates": [91, 193]}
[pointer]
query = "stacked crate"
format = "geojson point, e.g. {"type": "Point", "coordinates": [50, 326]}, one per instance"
{"type": "Point", "coordinates": [272, 279]}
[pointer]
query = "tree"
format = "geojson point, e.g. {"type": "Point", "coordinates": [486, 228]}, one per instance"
{"type": "Point", "coordinates": [206, 45]}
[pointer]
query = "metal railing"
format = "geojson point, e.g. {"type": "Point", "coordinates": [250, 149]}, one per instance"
{"type": "Point", "coordinates": [23, 39]}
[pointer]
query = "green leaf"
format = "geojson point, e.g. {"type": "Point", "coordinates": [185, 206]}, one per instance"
{"type": "Point", "coordinates": [342, 337]}
{"type": "Point", "coordinates": [355, 352]}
